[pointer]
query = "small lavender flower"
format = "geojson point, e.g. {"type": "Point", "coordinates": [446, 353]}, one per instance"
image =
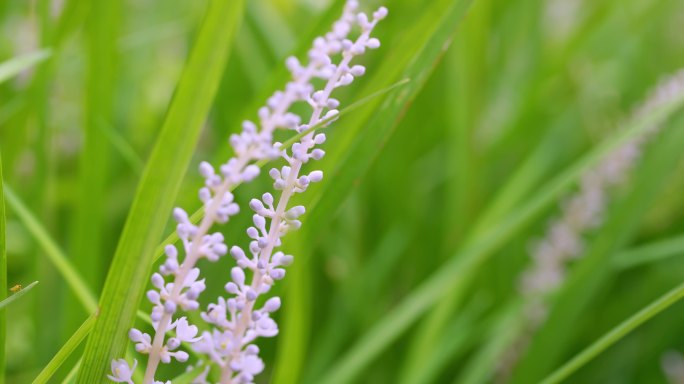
{"type": "Point", "coordinates": [237, 321]}
{"type": "Point", "coordinates": [121, 372]}
{"type": "Point", "coordinates": [233, 351]}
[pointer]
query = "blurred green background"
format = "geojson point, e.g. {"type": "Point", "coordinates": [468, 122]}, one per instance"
{"type": "Point", "coordinates": [524, 91]}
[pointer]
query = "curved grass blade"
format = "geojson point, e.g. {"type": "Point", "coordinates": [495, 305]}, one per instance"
{"type": "Point", "coordinates": [71, 376]}
{"type": "Point", "coordinates": [63, 354]}
{"type": "Point", "coordinates": [21, 292]}
{"type": "Point", "coordinates": [123, 147]}
{"type": "Point", "coordinates": [591, 274]}
{"type": "Point", "coordinates": [158, 188]}
{"type": "Point", "coordinates": [355, 158]}
{"type": "Point", "coordinates": [3, 277]}
{"type": "Point", "coordinates": [649, 253]}
{"type": "Point", "coordinates": [615, 334]}
{"type": "Point", "coordinates": [78, 286]}
{"type": "Point", "coordinates": [452, 279]}
{"type": "Point", "coordinates": [16, 65]}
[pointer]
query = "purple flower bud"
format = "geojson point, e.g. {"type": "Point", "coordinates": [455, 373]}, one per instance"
{"type": "Point", "coordinates": [238, 276]}
{"type": "Point", "coordinates": [272, 304]}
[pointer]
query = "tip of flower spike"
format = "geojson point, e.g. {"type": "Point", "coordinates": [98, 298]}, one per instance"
{"type": "Point", "coordinates": [380, 14]}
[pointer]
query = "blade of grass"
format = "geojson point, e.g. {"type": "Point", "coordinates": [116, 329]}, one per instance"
{"type": "Point", "coordinates": [16, 65]}
{"type": "Point", "coordinates": [430, 330]}
{"type": "Point", "coordinates": [71, 376]}
{"type": "Point", "coordinates": [189, 376]}
{"type": "Point", "coordinates": [21, 292]}
{"type": "Point", "coordinates": [361, 153]}
{"type": "Point", "coordinates": [3, 278]}
{"type": "Point", "coordinates": [507, 327]}
{"type": "Point", "coordinates": [123, 147]}
{"type": "Point", "coordinates": [78, 286]}
{"type": "Point", "coordinates": [451, 280]}
{"type": "Point", "coordinates": [65, 352]}
{"type": "Point", "coordinates": [649, 253]}
{"type": "Point", "coordinates": [593, 271]}
{"type": "Point", "coordinates": [615, 335]}
{"type": "Point", "coordinates": [50, 246]}
{"type": "Point", "coordinates": [158, 188]}
{"type": "Point", "coordinates": [101, 48]}
{"type": "Point", "coordinates": [520, 185]}
{"type": "Point", "coordinates": [296, 321]}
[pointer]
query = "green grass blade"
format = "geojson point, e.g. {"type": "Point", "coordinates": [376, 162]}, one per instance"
{"type": "Point", "coordinates": [124, 148]}
{"type": "Point", "coordinates": [615, 334]}
{"type": "Point", "coordinates": [67, 350]}
{"type": "Point", "coordinates": [78, 286]}
{"type": "Point", "coordinates": [296, 323]}
{"type": "Point", "coordinates": [189, 376]}
{"type": "Point", "coordinates": [365, 134]}
{"type": "Point", "coordinates": [591, 274]}
{"type": "Point", "coordinates": [58, 257]}
{"type": "Point", "coordinates": [452, 279]}
{"type": "Point", "coordinates": [360, 154]}
{"type": "Point", "coordinates": [3, 277]}
{"type": "Point", "coordinates": [71, 376]}
{"type": "Point", "coordinates": [15, 66]}
{"type": "Point", "coordinates": [158, 189]}
{"type": "Point", "coordinates": [650, 253]}
{"type": "Point", "coordinates": [16, 296]}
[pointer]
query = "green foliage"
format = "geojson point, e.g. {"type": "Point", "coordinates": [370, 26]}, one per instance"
{"type": "Point", "coordinates": [13, 67]}
{"type": "Point", "coordinates": [157, 190]}
{"type": "Point", "coordinates": [474, 122]}
{"type": "Point", "coordinates": [3, 276]}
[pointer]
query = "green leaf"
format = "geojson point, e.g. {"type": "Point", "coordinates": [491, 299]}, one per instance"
{"type": "Point", "coordinates": [451, 280]}
{"type": "Point", "coordinates": [3, 277]}
{"type": "Point", "coordinates": [593, 271]}
{"type": "Point", "coordinates": [78, 286]}
{"type": "Point", "coordinates": [15, 66]}
{"type": "Point", "coordinates": [63, 354]}
{"type": "Point", "coordinates": [158, 188]}
{"type": "Point", "coordinates": [50, 246]}
{"type": "Point", "coordinates": [616, 334]}
{"type": "Point", "coordinates": [356, 151]}
{"type": "Point", "coordinates": [21, 292]}
{"type": "Point", "coordinates": [649, 253]}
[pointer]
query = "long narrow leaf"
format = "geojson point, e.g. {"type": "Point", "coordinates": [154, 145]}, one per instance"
{"type": "Point", "coordinates": [21, 292]}
{"type": "Point", "coordinates": [616, 334]}
{"type": "Point", "coordinates": [158, 188]}
{"type": "Point", "coordinates": [83, 293]}
{"type": "Point", "coordinates": [15, 66]}
{"type": "Point", "coordinates": [591, 274]}
{"type": "Point", "coordinates": [74, 341]}
{"type": "Point", "coordinates": [452, 278]}
{"type": "Point", "coordinates": [359, 156]}
{"type": "Point", "coordinates": [3, 277]}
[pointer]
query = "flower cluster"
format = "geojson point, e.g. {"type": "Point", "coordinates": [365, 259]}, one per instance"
{"type": "Point", "coordinates": [177, 284]}
{"type": "Point", "coordinates": [238, 321]}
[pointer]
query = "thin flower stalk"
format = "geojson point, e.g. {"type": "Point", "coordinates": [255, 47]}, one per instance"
{"type": "Point", "coordinates": [253, 144]}
{"type": "Point", "coordinates": [237, 322]}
